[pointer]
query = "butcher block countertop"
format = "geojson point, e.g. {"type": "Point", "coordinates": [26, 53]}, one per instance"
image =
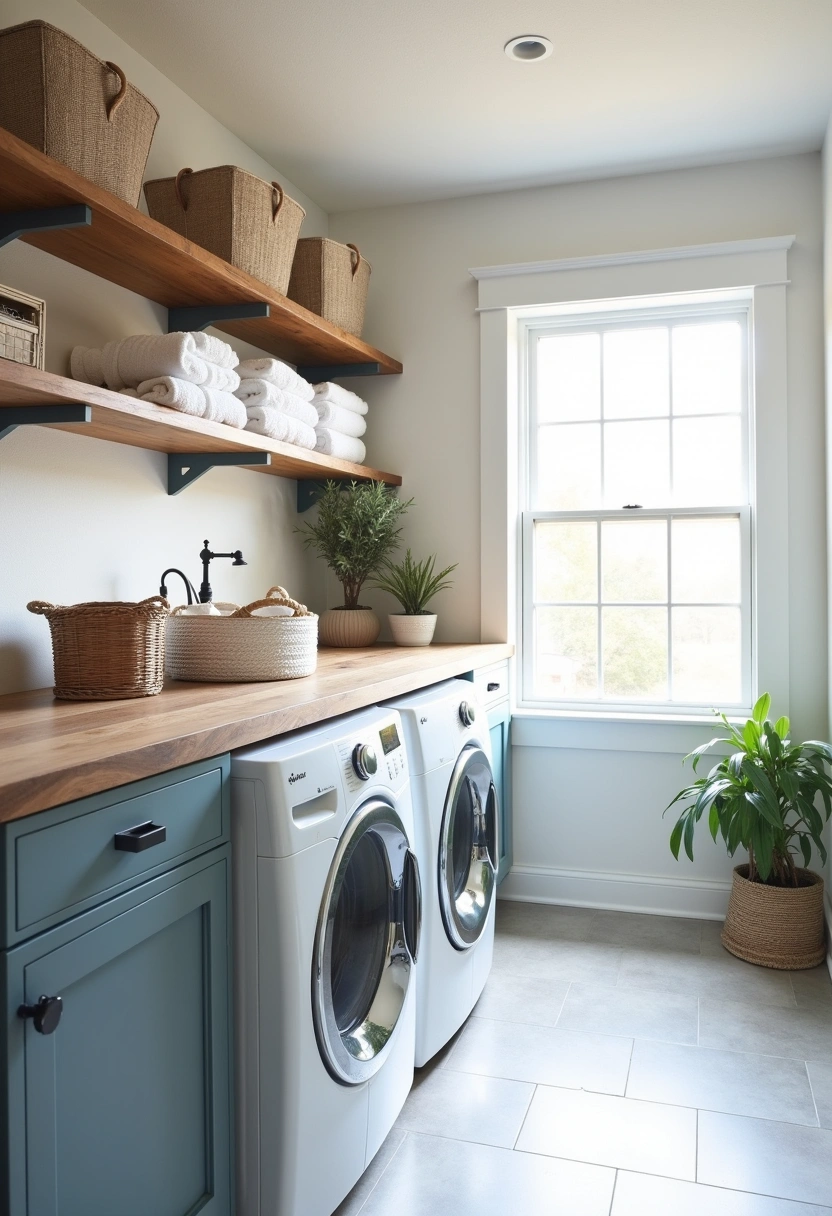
{"type": "Point", "coordinates": [53, 752]}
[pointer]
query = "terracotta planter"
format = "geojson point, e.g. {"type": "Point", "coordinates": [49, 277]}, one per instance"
{"type": "Point", "coordinates": [412, 630]}
{"type": "Point", "coordinates": [349, 627]}
{"type": "Point", "coordinates": [778, 927]}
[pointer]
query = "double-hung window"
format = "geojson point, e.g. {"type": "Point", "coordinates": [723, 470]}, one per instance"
{"type": "Point", "coordinates": [636, 556]}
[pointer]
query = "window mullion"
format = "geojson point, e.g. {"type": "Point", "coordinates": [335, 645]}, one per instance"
{"type": "Point", "coordinates": [599, 635]}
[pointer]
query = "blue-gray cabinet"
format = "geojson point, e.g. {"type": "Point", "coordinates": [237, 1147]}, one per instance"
{"type": "Point", "coordinates": [499, 727]}
{"type": "Point", "coordinates": [124, 1108]}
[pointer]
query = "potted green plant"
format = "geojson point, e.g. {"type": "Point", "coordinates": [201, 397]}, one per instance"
{"type": "Point", "coordinates": [413, 584]}
{"type": "Point", "coordinates": [356, 528]}
{"type": "Point", "coordinates": [761, 798]}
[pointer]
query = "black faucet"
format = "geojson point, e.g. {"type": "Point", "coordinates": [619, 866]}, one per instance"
{"type": "Point", "coordinates": [190, 590]}
{"type": "Point", "coordinates": [206, 556]}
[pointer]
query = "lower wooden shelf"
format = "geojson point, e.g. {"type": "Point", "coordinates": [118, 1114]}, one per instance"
{"type": "Point", "coordinates": [141, 424]}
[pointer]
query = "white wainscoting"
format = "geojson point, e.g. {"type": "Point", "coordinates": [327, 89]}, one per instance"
{"type": "Point", "coordinates": [703, 899]}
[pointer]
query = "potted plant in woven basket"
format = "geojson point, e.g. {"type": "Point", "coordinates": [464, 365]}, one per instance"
{"type": "Point", "coordinates": [413, 584]}
{"type": "Point", "coordinates": [356, 529]}
{"type": "Point", "coordinates": [762, 798]}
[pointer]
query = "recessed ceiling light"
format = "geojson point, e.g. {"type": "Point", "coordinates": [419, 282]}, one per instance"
{"type": "Point", "coordinates": [528, 47]}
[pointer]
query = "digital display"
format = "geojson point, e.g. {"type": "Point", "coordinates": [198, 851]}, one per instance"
{"type": "Point", "coordinates": [390, 740]}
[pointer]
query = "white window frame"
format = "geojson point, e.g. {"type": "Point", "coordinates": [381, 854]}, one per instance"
{"type": "Point", "coordinates": [509, 297]}
{"type": "Point", "coordinates": [641, 316]}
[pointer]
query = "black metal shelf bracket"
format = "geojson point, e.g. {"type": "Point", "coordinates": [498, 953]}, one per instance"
{"type": "Point", "coordinates": [14, 224]}
{"type": "Point", "coordinates": [317, 373]}
{"type": "Point", "coordinates": [12, 416]}
{"type": "Point", "coordinates": [308, 494]}
{"type": "Point", "coordinates": [185, 467]}
{"type": "Point", "coordinates": [200, 316]}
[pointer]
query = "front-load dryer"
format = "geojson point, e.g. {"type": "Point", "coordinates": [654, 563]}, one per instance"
{"type": "Point", "coordinates": [327, 911]}
{"type": "Point", "coordinates": [456, 818]}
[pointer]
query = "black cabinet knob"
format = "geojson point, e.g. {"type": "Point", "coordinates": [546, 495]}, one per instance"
{"type": "Point", "coordinates": [45, 1014]}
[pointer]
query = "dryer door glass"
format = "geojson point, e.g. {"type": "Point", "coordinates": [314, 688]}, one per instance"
{"type": "Point", "coordinates": [363, 960]}
{"type": "Point", "coordinates": [468, 853]}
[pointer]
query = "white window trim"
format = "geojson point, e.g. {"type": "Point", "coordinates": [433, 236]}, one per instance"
{"type": "Point", "coordinates": [754, 271]}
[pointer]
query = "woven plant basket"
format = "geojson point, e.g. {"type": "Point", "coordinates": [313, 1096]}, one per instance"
{"type": "Point", "coordinates": [250, 223]}
{"type": "Point", "coordinates": [242, 648]}
{"type": "Point", "coordinates": [350, 627]}
{"type": "Point", "coordinates": [107, 651]}
{"type": "Point", "coordinates": [75, 107]}
{"type": "Point", "coordinates": [779, 927]}
{"type": "Point", "coordinates": [331, 280]}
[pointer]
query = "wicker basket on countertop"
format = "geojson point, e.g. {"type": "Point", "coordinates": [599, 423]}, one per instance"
{"type": "Point", "coordinates": [242, 647]}
{"type": "Point", "coordinates": [63, 100]}
{"type": "Point", "coordinates": [107, 651]}
{"type": "Point", "coordinates": [248, 222]}
{"type": "Point", "coordinates": [332, 280]}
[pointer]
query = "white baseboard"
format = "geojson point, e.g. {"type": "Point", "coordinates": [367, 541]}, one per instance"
{"type": "Point", "coordinates": [827, 908]}
{"type": "Point", "coordinates": [703, 899]}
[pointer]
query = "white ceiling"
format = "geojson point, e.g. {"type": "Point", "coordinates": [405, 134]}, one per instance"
{"type": "Point", "coordinates": [368, 102]}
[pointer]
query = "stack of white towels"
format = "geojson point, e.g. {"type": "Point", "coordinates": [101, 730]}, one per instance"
{"type": "Point", "coordinates": [202, 375]}
{"type": "Point", "coordinates": [340, 422]}
{"type": "Point", "coordinates": [191, 372]}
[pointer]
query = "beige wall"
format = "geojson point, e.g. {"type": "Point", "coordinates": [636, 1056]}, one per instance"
{"type": "Point", "coordinates": [82, 519]}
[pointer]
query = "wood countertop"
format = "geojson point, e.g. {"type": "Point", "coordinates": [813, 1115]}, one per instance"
{"type": "Point", "coordinates": [56, 751]}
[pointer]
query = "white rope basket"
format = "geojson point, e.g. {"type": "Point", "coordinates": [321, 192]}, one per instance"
{"type": "Point", "coordinates": [241, 648]}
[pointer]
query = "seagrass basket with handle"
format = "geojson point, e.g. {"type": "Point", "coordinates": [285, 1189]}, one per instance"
{"type": "Point", "coordinates": [248, 222]}
{"type": "Point", "coordinates": [79, 109]}
{"type": "Point", "coordinates": [106, 651]}
{"type": "Point", "coordinates": [243, 647]}
{"type": "Point", "coordinates": [332, 280]}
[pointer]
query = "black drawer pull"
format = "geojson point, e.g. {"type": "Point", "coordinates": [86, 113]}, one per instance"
{"type": "Point", "coordinates": [492, 687]}
{"type": "Point", "coordinates": [45, 1014]}
{"type": "Point", "coordinates": [142, 836]}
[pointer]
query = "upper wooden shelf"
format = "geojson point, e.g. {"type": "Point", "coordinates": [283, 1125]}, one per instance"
{"type": "Point", "coordinates": [141, 424]}
{"type": "Point", "coordinates": [130, 249]}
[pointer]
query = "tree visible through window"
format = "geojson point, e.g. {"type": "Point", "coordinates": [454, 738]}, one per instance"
{"type": "Point", "coordinates": [636, 547]}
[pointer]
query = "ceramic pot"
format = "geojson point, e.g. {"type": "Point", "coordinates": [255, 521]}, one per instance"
{"type": "Point", "coordinates": [349, 627]}
{"type": "Point", "coordinates": [778, 927]}
{"type": "Point", "coordinates": [412, 630]}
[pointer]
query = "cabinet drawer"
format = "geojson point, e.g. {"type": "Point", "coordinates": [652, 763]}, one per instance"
{"type": "Point", "coordinates": [491, 684]}
{"type": "Point", "coordinates": [71, 862]}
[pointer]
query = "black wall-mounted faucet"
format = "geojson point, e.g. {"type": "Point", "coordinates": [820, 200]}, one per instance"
{"type": "Point", "coordinates": [206, 556]}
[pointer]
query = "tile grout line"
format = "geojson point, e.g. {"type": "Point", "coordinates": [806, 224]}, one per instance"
{"type": "Point", "coordinates": [812, 1091]}
{"type": "Point", "coordinates": [614, 1185]}
{"type": "Point", "coordinates": [383, 1172]}
{"type": "Point", "coordinates": [562, 1006]}
{"type": "Point", "coordinates": [525, 1117]}
{"type": "Point", "coordinates": [696, 1151]}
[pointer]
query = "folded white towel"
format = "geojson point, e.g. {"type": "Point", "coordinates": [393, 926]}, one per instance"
{"type": "Point", "coordinates": [195, 399]}
{"type": "Point", "coordinates": [277, 373]}
{"type": "Point", "coordinates": [345, 447]}
{"type": "Point", "coordinates": [144, 356]}
{"type": "Point", "coordinates": [266, 420]}
{"type": "Point", "coordinates": [340, 396]}
{"type": "Point", "coordinates": [85, 365]}
{"type": "Point", "coordinates": [263, 392]}
{"type": "Point", "coordinates": [339, 419]}
{"type": "Point", "coordinates": [129, 392]}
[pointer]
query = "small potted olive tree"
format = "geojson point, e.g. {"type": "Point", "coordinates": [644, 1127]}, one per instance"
{"type": "Point", "coordinates": [413, 584]}
{"type": "Point", "coordinates": [762, 798]}
{"type": "Point", "coordinates": [356, 529]}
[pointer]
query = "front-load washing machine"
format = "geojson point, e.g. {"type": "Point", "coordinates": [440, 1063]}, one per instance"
{"type": "Point", "coordinates": [327, 911]}
{"type": "Point", "coordinates": [456, 817]}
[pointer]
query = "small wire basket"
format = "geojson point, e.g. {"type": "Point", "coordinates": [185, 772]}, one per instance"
{"type": "Point", "coordinates": [22, 324]}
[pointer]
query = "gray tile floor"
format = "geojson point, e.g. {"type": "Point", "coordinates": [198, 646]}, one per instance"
{"type": "Point", "coordinates": [619, 1065]}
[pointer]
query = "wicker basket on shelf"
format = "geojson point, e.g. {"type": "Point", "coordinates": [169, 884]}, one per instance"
{"type": "Point", "coordinates": [332, 280]}
{"type": "Point", "coordinates": [242, 647]}
{"type": "Point", "coordinates": [107, 651]}
{"type": "Point", "coordinates": [248, 222]}
{"type": "Point", "coordinates": [75, 107]}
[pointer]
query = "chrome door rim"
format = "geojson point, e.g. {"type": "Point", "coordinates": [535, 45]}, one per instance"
{"type": "Point", "coordinates": [465, 915]}
{"type": "Point", "coordinates": [355, 1054]}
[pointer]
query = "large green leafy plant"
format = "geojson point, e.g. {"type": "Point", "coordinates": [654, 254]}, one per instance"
{"type": "Point", "coordinates": [357, 527]}
{"type": "Point", "coordinates": [414, 584]}
{"type": "Point", "coordinates": [761, 798]}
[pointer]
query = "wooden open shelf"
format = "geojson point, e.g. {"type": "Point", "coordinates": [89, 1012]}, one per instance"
{"type": "Point", "coordinates": [140, 424]}
{"type": "Point", "coordinates": [130, 249]}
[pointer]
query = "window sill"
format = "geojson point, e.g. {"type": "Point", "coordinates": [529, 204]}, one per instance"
{"type": "Point", "coordinates": [676, 734]}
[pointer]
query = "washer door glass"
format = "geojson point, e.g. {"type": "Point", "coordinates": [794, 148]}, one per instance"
{"type": "Point", "coordinates": [468, 849]}
{"type": "Point", "coordinates": [365, 943]}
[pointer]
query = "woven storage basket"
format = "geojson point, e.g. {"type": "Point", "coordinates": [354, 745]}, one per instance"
{"type": "Point", "coordinates": [106, 651]}
{"type": "Point", "coordinates": [68, 103]}
{"type": "Point", "coordinates": [250, 223]}
{"type": "Point", "coordinates": [242, 648]}
{"type": "Point", "coordinates": [331, 280]}
{"type": "Point", "coordinates": [779, 927]}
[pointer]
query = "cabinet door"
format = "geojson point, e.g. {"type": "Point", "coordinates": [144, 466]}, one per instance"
{"type": "Point", "coordinates": [499, 723]}
{"type": "Point", "coordinates": [127, 1101]}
